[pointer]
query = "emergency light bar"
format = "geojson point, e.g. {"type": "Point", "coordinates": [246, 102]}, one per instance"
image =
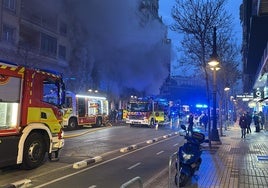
{"type": "Point", "coordinates": [90, 97]}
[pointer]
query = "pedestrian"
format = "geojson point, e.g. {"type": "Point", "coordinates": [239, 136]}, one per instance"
{"type": "Point", "coordinates": [256, 120]}
{"type": "Point", "coordinates": [249, 120]}
{"type": "Point", "coordinates": [262, 119]}
{"type": "Point", "coordinates": [243, 125]}
{"type": "Point", "coordinates": [205, 121]}
{"type": "Point", "coordinates": [190, 123]}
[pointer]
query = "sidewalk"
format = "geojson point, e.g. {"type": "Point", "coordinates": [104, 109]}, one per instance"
{"type": "Point", "coordinates": [235, 163]}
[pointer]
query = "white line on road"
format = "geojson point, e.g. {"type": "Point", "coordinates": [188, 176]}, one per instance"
{"type": "Point", "coordinates": [176, 144]}
{"type": "Point", "coordinates": [133, 166]}
{"type": "Point", "coordinates": [92, 186]}
{"type": "Point", "coordinates": [159, 152]}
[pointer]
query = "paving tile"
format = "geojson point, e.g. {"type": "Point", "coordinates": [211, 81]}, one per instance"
{"type": "Point", "coordinates": [233, 164]}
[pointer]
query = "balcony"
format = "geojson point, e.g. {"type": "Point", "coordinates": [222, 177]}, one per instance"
{"type": "Point", "coordinates": [262, 7]}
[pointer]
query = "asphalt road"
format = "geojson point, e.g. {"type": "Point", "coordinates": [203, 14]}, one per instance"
{"type": "Point", "coordinates": [146, 160]}
{"type": "Point", "coordinates": [112, 173]}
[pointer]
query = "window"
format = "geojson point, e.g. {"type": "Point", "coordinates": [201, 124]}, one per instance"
{"type": "Point", "coordinates": [10, 4]}
{"type": "Point", "coordinates": [51, 92]}
{"type": "Point", "coordinates": [8, 33]}
{"type": "Point", "coordinates": [48, 44]}
{"type": "Point", "coordinates": [68, 102]}
{"type": "Point", "coordinates": [62, 52]}
{"type": "Point", "coordinates": [81, 107]}
{"type": "Point", "coordinates": [10, 88]}
{"type": "Point", "coordinates": [63, 28]}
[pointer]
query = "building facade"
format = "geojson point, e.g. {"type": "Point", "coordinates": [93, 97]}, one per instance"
{"type": "Point", "coordinates": [184, 90]}
{"type": "Point", "coordinates": [56, 35]}
{"type": "Point", "coordinates": [34, 35]}
{"type": "Point", "coordinates": [254, 14]}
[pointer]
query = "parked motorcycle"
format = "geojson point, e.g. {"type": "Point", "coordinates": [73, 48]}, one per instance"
{"type": "Point", "coordinates": [189, 157]}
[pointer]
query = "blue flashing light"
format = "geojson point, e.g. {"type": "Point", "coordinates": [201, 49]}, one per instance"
{"type": "Point", "coordinates": [201, 106]}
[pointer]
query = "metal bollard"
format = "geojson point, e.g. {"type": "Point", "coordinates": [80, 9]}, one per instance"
{"type": "Point", "coordinates": [169, 168]}
{"type": "Point", "coordinates": [132, 181]}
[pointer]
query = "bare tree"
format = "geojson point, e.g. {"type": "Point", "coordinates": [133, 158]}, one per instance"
{"type": "Point", "coordinates": [195, 19]}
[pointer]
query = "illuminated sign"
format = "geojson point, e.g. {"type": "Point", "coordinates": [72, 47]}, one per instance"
{"type": "Point", "coordinates": [258, 93]}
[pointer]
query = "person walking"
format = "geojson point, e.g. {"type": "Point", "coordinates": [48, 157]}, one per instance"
{"type": "Point", "coordinates": [256, 120]}
{"type": "Point", "coordinates": [205, 121]}
{"type": "Point", "coordinates": [243, 125]}
{"type": "Point", "coordinates": [249, 120]}
{"type": "Point", "coordinates": [190, 123]}
{"type": "Point", "coordinates": [262, 119]}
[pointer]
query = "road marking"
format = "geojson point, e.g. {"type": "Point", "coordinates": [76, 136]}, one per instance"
{"type": "Point", "coordinates": [133, 166]}
{"type": "Point", "coordinates": [176, 144]}
{"type": "Point", "coordinates": [159, 152]}
{"type": "Point", "coordinates": [99, 164]}
{"type": "Point", "coordinates": [92, 186]}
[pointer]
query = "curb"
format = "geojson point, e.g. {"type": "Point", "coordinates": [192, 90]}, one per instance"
{"type": "Point", "coordinates": [132, 147]}
{"type": "Point", "coordinates": [151, 141]}
{"type": "Point", "coordinates": [84, 163]}
{"type": "Point", "coordinates": [19, 184]}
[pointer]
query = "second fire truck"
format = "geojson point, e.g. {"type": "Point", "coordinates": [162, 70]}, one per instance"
{"type": "Point", "coordinates": [146, 112]}
{"type": "Point", "coordinates": [85, 109]}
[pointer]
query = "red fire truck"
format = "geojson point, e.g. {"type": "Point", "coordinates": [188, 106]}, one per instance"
{"type": "Point", "coordinates": [30, 119]}
{"type": "Point", "coordinates": [146, 112]}
{"type": "Point", "coordinates": [85, 109]}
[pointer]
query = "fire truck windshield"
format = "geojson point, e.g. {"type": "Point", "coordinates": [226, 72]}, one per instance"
{"type": "Point", "coordinates": [139, 107]}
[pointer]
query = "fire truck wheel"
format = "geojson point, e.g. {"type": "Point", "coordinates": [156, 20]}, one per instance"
{"type": "Point", "coordinates": [34, 151]}
{"type": "Point", "coordinates": [72, 124]}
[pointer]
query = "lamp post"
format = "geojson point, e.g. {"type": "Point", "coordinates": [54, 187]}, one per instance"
{"type": "Point", "coordinates": [226, 89]}
{"type": "Point", "coordinates": [214, 65]}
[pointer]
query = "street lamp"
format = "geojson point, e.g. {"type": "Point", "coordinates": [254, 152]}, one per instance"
{"type": "Point", "coordinates": [91, 90]}
{"type": "Point", "coordinates": [226, 89]}
{"type": "Point", "coordinates": [214, 65]}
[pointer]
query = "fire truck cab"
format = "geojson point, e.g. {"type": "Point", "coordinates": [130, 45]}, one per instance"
{"type": "Point", "coordinates": [85, 109]}
{"type": "Point", "coordinates": [30, 118]}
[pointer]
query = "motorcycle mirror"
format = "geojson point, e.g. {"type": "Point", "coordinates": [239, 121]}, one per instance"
{"type": "Point", "coordinates": [183, 127]}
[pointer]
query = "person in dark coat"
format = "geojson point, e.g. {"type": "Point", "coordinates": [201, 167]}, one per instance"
{"type": "Point", "coordinates": [262, 119]}
{"type": "Point", "coordinates": [190, 123]}
{"type": "Point", "coordinates": [243, 125]}
{"type": "Point", "coordinates": [205, 121]}
{"type": "Point", "coordinates": [249, 120]}
{"type": "Point", "coordinates": [256, 120]}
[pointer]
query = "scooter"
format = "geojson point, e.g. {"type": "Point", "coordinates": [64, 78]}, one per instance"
{"type": "Point", "coordinates": [189, 157]}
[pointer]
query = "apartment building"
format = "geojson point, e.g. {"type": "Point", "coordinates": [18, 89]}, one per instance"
{"type": "Point", "coordinates": [255, 52]}
{"type": "Point", "coordinates": [34, 34]}
{"type": "Point", "coordinates": [254, 17]}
